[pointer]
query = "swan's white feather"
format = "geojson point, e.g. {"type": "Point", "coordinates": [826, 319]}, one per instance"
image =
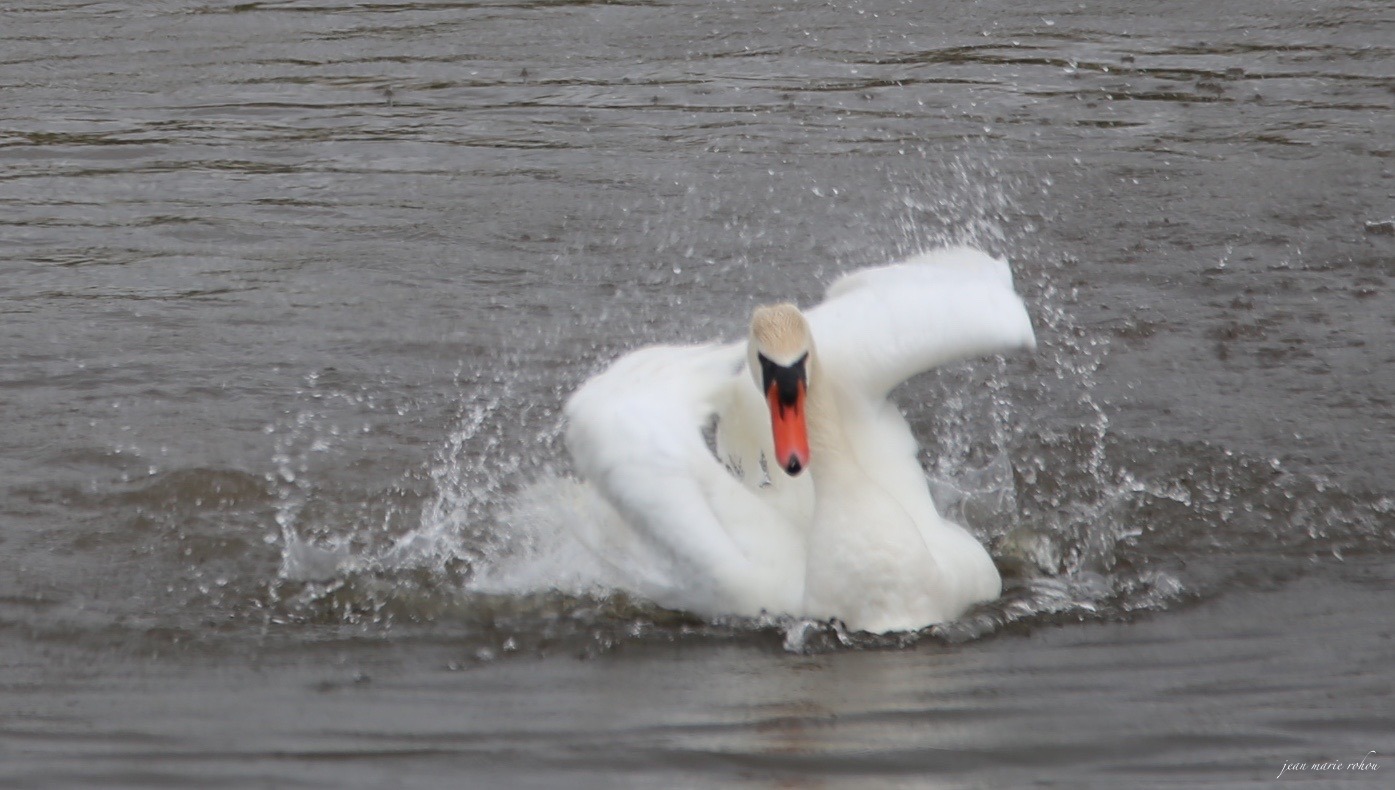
{"type": "Point", "coordinates": [879, 327]}
{"type": "Point", "coordinates": [724, 536]}
{"type": "Point", "coordinates": [635, 432]}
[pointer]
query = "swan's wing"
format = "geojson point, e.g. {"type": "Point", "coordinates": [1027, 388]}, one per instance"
{"type": "Point", "coordinates": [635, 433]}
{"type": "Point", "coordinates": [879, 327]}
{"type": "Point", "coordinates": [745, 442]}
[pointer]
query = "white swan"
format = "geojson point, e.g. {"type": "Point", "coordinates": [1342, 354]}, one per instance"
{"type": "Point", "coordinates": [857, 537]}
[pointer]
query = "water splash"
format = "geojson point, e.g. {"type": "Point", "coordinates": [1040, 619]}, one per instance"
{"type": "Point", "coordinates": [979, 455]}
{"type": "Point", "coordinates": [1083, 525]}
{"type": "Point", "coordinates": [451, 526]}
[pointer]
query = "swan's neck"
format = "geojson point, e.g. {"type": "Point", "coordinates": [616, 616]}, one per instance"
{"type": "Point", "coordinates": [830, 449]}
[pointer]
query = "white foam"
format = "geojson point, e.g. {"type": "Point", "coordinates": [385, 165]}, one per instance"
{"type": "Point", "coordinates": [542, 549]}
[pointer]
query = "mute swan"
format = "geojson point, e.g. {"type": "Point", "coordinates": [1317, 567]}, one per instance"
{"type": "Point", "coordinates": [815, 504]}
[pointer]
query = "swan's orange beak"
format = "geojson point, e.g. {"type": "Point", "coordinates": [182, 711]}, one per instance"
{"type": "Point", "coordinates": [787, 423]}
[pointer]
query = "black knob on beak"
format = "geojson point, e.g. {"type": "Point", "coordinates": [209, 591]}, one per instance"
{"type": "Point", "coordinates": [792, 467]}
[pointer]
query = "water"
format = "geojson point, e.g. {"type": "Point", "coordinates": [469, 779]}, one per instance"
{"type": "Point", "coordinates": [293, 294]}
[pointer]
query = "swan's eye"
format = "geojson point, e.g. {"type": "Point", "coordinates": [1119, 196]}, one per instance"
{"type": "Point", "coordinates": [785, 379]}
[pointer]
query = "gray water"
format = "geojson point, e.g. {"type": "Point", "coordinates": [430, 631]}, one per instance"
{"type": "Point", "coordinates": [293, 292]}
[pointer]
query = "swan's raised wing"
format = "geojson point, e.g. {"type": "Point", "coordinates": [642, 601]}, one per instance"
{"type": "Point", "coordinates": [879, 327]}
{"type": "Point", "coordinates": [635, 433]}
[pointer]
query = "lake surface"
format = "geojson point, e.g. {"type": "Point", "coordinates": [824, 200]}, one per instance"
{"type": "Point", "coordinates": [293, 293]}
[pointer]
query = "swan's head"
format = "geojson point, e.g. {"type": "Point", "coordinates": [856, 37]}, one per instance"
{"type": "Point", "coordinates": [779, 353]}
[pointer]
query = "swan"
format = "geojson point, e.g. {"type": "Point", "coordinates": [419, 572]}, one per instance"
{"type": "Point", "coordinates": [808, 500]}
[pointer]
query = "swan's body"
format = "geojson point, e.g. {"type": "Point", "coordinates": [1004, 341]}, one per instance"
{"type": "Point", "coordinates": [857, 537]}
